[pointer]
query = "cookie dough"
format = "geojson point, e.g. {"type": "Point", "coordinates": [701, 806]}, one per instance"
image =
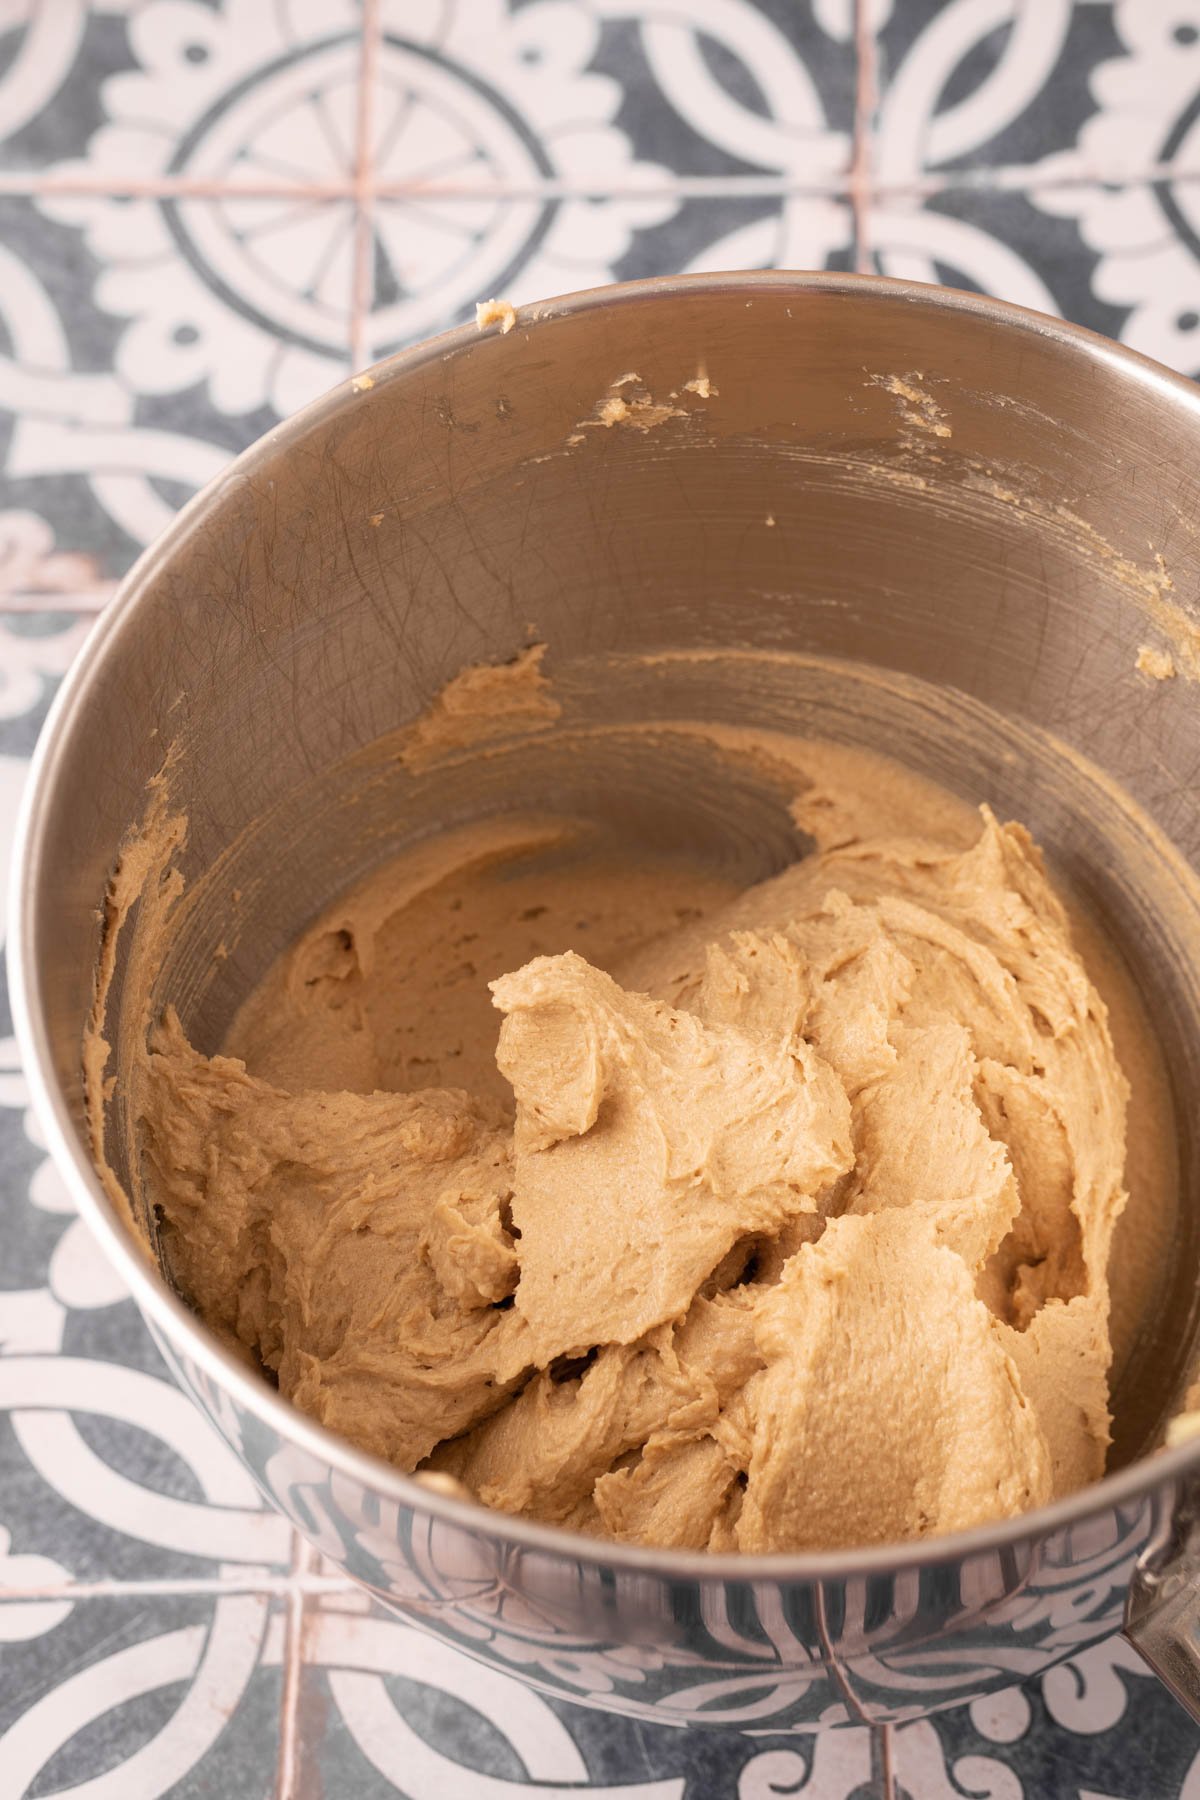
{"type": "Point", "coordinates": [771, 1220]}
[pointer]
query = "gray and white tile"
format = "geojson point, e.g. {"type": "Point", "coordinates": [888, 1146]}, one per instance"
{"type": "Point", "coordinates": [201, 227]}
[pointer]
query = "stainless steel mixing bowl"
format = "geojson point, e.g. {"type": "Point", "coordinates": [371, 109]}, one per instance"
{"type": "Point", "coordinates": [961, 504]}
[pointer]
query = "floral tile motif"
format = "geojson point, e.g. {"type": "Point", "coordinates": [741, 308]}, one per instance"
{"type": "Point", "coordinates": [210, 211]}
{"type": "Point", "coordinates": [726, 88]}
{"type": "Point", "coordinates": [1143, 93]}
{"type": "Point", "coordinates": [964, 87]}
{"type": "Point", "coordinates": [478, 95]}
{"type": "Point", "coordinates": [1145, 238]}
{"type": "Point", "coordinates": [204, 228]}
{"type": "Point", "coordinates": [182, 1694]}
{"type": "Point", "coordinates": [1001, 242]}
{"type": "Point", "coordinates": [434, 255]}
{"type": "Point", "coordinates": [53, 60]}
{"type": "Point", "coordinates": [426, 248]}
{"type": "Point", "coordinates": [789, 231]}
{"type": "Point", "coordinates": [125, 92]}
{"type": "Point", "coordinates": [534, 153]}
{"type": "Point", "coordinates": [1060, 1739]}
{"type": "Point", "coordinates": [123, 386]}
{"type": "Point", "coordinates": [246, 299]}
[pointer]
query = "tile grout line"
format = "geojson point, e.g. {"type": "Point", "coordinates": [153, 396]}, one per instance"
{"type": "Point", "coordinates": [887, 1745]}
{"type": "Point", "coordinates": [32, 184]}
{"type": "Point", "coordinates": [64, 599]}
{"type": "Point", "coordinates": [850, 1699]}
{"type": "Point", "coordinates": [167, 1586]}
{"type": "Point", "coordinates": [990, 178]}
{"type": "Point", "coordinates": [862, 161]}
{"type": "Point", "coordinates": [362, 279]}
{"type": "Point", "coordinates": [292, 1661]}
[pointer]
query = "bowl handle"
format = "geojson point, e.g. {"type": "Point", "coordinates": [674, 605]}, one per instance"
{"type": "Point", "coordinates": [1162, 1611]}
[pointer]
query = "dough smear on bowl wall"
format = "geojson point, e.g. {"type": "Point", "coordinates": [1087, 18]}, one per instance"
{"type": "Point", "coordinates": [676, 1213]}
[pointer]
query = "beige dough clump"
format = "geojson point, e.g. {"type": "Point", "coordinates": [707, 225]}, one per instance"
{"type": "Point", "coordinates": [495, 312]}
{"type": "Point", "coordinates": [781, 1223]}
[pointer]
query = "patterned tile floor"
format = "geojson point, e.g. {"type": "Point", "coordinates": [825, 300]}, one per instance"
{"type": "Point", "coordinates": [211, 210]}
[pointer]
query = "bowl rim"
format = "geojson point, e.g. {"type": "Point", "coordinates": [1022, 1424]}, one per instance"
{"type": "Point", "coordinates": [166, 1313]}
